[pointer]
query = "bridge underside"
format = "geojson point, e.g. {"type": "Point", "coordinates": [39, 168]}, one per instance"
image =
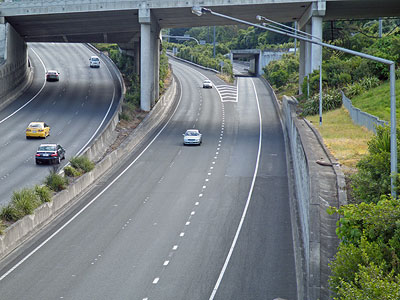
{"type": "Point", "coordinates": [122, 25]}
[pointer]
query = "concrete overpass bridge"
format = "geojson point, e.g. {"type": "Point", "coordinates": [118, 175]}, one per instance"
{"type": "Point", "coordinates": [135, 25]}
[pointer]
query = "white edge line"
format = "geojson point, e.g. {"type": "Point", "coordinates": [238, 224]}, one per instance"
{"type": "Point", "coordinates": [105, 116]}
{"type": "Point", "coordinates": [221, 275]}
{"type": "Point", "coordinates": [94, 199]}
{"type": "Point", "coordinates": [33, 98]}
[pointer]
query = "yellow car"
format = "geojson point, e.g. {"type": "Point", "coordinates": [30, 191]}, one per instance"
{"type": "Point", "coordinates": [37, 129]}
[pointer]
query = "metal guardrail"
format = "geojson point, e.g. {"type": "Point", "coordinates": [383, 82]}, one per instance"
{"type": "Point", "coordinates": [362, 118]}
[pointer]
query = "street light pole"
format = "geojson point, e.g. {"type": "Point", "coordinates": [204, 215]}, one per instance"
{"type": "Point", "coordinates": [290, 30]}
{"type": "Point", "coordinates": [199, 11]}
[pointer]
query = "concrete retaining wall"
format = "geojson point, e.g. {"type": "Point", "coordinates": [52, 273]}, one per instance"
{"type": "Point", "coordinates": [25, 228]}
{"type": "Point", "coordinates": [319, 184]}
{"type": "Point", "coordinates": [15, 73]}
{"type": "Point", "coordinates": [316, 182]}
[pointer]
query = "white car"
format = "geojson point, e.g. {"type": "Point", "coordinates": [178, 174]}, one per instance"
{"type": "Point", "coordinates": [52, 75]}
{"type": "Point", "coordinates": [192, 137]}
{"type": "Point", "coordinates": [94, 61]}
{"type": "Point", "coordinates": [207, 84]}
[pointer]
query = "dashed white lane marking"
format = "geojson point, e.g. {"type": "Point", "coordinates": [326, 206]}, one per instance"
{"type": "Point", "coordinates": [221, 275]}
{"type": "Point", "coordinates": [175, 247]}
{"type": "Point", "coordinates": [207, 179]}
{"type": "Point", "coordinates": [99, 194]}
{"type": "Point", "coordinates": [182, 234]}
{"type": "Point", "coordinates": [166, 263]}
{"type": "Point", "coordinates": [187, 223]}
{"type": "Point", "coordinates": [208, 174]}
{"type": "Point", "coordinates": [155, 281]}
{"type": "Point", "coordinates": [200, 195]}
{"type": "Point", "coordinates": [197, 204]}
{"type": "Point", "coordinates": [204, 187]}
{"type": "Point", "coordinates": [193, 213]}
{"type": "Point", "coordinates": [33, 98]}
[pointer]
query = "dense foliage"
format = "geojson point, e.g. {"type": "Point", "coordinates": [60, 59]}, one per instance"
{"type": "Point", "coordinates": [234, 36]}
{"type": "Point", "coordinates": [203, 55]}
{"type": "Point", "coordinates": [369, 255]}
{"type": "Point", "coordinates": [352, 74]}
{"type": "Point", "coordinates": [126, 65]}
{"type": "Point", "coordinates": [373, 177]}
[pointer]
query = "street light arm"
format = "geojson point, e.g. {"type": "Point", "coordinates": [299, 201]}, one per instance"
{"type": "Point", "coordinates": [313, 41]}
{"type": "Point", "coordinates": [393, 141]}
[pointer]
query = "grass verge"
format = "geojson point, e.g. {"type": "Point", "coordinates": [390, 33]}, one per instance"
{"type": "Point", "coordinates": [346, 141]}
{"type": "Point", "coordinates": [377, 101]}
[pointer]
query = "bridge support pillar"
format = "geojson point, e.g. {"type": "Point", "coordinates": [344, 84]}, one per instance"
{"type": "Point", "coordinates": [155, 39]}
{"type": "Point", "coordinates": [316, 50]}
{"type": "Point", "coordinates": [149, 58]}
{"type": "Point", "coordinates": [137, 57]}
{"type": "Point", "coordinates": [311, 54]}
{"type": "Point", "coordinates": [146, 70]}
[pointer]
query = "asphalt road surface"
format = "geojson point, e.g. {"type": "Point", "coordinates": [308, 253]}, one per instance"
{"type": "Point", "coordinates": [76, 108]}
{"type": "Point", "coordinates": [174, 221]}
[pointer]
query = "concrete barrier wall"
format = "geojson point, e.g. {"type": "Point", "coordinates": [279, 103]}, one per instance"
{"type": "Point", "coordinates": [15, 73]}
{"type": "Point", "coordinates": [25, 228]}
{"type": "Point", "coordinates": [319, 184]}
{"type": "Point", "coordinates": [362, 118]}
{"type": "Point", "coordinates": [316, 182]}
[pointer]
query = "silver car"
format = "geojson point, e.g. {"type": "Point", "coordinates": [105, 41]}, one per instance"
{"type": "Point", "coordinates": [192, 137]}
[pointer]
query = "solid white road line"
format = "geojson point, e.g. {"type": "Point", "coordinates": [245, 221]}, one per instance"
{"type": "Point", "coordinates": [94, 199]}
{"type": "Point", "coordinates": [33, 98]}
{"type": "Point", "coordinates": [221, 275]}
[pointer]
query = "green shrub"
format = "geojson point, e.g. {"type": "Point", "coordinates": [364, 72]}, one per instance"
{"type": "Point", "coordinates": [25, 201]}
{"type": "Point", "coordinates": [373, 178]}
{"type": "Point", "coordinates": [56, 182]}
{"type": "Point", "coordinates": [9, 213]}
{"type": "Point", "coordinates": [43, 193]}
{"type": "Point", "coordinates": [370, 235]}
{"type": "Point", "coordinates": [330, 100]}
{"type": "Point", "coordinates": [278, 78]}
{"type": "Point", "coordinates": [71, 172]}
{"type": "Point", "coordinates": [370, 283]}
{"type": "Point", "coordinates": [2, 227]}
{"type": "Point", "coordinates": [82, 163]}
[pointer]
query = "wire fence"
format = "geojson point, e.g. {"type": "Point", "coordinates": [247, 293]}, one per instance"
{"type": "Point", "coordinates": [362, 118]}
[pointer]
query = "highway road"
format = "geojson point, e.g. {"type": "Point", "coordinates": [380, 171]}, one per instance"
{"type": "Point", "coordinates": [174, 221]}
{"type": "Point", "coordinates": [76, 108]}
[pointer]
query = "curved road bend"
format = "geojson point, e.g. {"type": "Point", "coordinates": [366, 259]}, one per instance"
{"type": "Point", "coordinates": [76, 108]}
{"type": "Point", "coordinates": [164, 227]}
